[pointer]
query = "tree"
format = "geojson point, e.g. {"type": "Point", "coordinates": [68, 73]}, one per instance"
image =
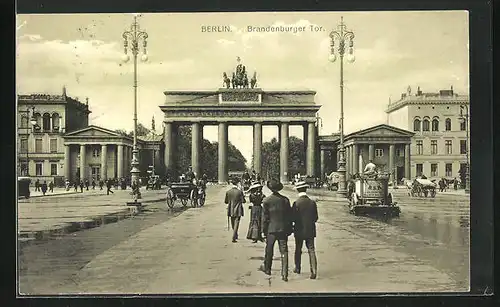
{"type": "Point", "coordinates": [271, 157]}
{"type": "Point", "coordinates": [141, 131]}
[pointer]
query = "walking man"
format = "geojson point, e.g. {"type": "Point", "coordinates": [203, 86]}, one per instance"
{"type": "Point", "coordinates": [44, 187]}
{"type": "Point", "coordinates": [37, 185]}
{"type": "Point", "coordinates": [277, 226]}
{"type": "Point", "coordinates": [109, 184]}
{"type": "Point", "coordinates": [234, 201]}
{"type": "Point", "coordinates": [305, 216]}
{"type": "Point", "coordinates": [51, 187]}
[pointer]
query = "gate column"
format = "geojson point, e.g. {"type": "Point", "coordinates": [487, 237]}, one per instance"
{"type": "Point", "coordinates": [311, 148]}
{"type": "Point", "coordinates": [284, 153]}
{"type": "Point", "coordinates": [168, 152]}
{"type": "Point", "coordinates": [407, 162]}
{"type": "Point", "coordinates": [322, 163]}
{"type": "Point", "coordinates": [257, 148]}
{"type": "Point", "coordinates": [195, 148]}
{"type": "Point", "coordinates": [222, 167]}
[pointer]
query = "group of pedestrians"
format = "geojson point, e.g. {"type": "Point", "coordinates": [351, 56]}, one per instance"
{"type": "Point", "coordinates": [81, 184]}
{"type": "Point", "coordinates": [44, 186]}
{"type": "Point", "coordinates": [273, 219]}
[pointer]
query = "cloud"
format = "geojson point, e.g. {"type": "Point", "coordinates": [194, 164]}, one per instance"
{"type": "Point", "coordinates": [31, 37]}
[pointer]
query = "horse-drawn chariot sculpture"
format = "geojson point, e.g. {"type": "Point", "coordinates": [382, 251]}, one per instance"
{"type": "Point", "coordinates": [371, 196]}
{"type": "Point", "coordinates": [239, 78]}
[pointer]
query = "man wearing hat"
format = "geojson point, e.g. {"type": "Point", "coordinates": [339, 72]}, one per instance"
{"type": "Point", "coordinates": [277, 226]}
{"type": "Point", "coordinates": [305, 216]}
{"type": "Point", "coordinates": [234, 201]}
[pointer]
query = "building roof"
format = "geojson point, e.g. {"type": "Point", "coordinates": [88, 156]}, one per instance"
{"type": "Point", "coordinates": [43, 98]}
{"type": "Point", "coordinates": [151, 138]}
{"type": "Point", "coordinates": [421, 98]}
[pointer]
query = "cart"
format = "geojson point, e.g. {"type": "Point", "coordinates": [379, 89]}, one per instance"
{"type": "Point", "coordinates": [423, 187]}
{"type": "Point", "coordinates": [371, 196]}
{"type": "Point", "coordinates": [198, 195]}
{"type": "Point", "coordinates": [23, 186]}
{"type": "Point", "coordinates": [179, 191]}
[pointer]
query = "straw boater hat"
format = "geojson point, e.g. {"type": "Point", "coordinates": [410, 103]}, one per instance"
{"type": "Point", "coordinates": [274, 185]}
{"type": "Point", "coordinates": [255, 185]}
{"type": "Point", "coordinates": [301, 185]}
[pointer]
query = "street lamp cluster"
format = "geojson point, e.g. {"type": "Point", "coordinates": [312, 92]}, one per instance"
{"type": "Point", "coordinates": [135, 36]}
{"type": "Point", "coordinates": [343, 36]}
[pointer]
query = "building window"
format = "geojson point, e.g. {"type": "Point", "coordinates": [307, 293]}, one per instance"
{"type": "Point", "coordinates": [435, 124]}
{"type": "Point", "coordinates": [53, 145]}
{"type": "Point", "coordinates": [24, 121]}
{"type": "Point", "coordinates": [46, 122]}
{"type": "Point", "coordinates": [399, 152]}
{"type": "Point", "coordinates": [420, 169]}
{"type": "Point", "coordinates": [24, 169]}
{"type": "Point", "coordinates": [425, 125]}
{"type": "Point", "coordinates": [420, 147]}
{"type": "Point", "coordinates": [24, 145]}
{"type": "Point", "coordinates": [447, 124]}
{"type": "Point", "coordinates": [416, 125]}
{"type": "Point", "coordinates": [434, 147]}
{"type": "Point", "coordinates": [38, 169]}
{"type": "Point", "coordinates": [38, 145]}
{"type": "Point", "coordinates": [55, 122]}
{"type": "Point", "coordinates": [463, 147]}
{"type": "Point", "coordinates": [95, 153]}
{"type": "Point", "coordinates": [449, 169]}
{"type": "Point", "coordinates": [448, 147]}
{"type": "Point", "coordinates": [434, 170]}
{"type": "Point", "coordinates": [38, 124]}
{"type": "Point", "coordinates": [379, 152]}
{"type": "Point", "coordinates": [462, 125]}
{"type": "Point", "coordinates": [53, 169]}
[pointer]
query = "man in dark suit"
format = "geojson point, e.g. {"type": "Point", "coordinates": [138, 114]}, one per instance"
{"type": "Point", "coordinates": [305, 216]}
{"type": "Point", "coordinates": [234, 201]}
{"type": "Point", "coordinates": [277, 226]}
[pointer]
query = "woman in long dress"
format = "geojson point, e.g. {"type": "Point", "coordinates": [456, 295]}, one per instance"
{"type": "Point", "coordinates": [255, 227]}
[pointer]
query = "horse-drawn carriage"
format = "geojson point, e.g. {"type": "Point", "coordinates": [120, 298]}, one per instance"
{"type": "Point", "coordinates": [332, 181]}
{"type": "Point", "coordinates": [193, 192]}
{"type": "Point", "coordinates": [419, 187]}
{"type": "Point", "coordinates": [371, 196]}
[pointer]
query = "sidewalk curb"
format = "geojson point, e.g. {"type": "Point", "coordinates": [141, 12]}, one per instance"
{"type": "Point", "coordinates": [27, 237]}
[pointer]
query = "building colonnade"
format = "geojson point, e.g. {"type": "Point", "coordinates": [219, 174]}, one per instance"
{"type": "Point", "coordinates": [170, 132]}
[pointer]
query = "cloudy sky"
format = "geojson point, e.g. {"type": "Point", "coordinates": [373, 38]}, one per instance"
{"type": "Point", "coordinates": [392, 49]}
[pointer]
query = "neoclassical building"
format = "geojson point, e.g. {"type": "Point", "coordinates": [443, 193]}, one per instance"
{"type": "Point", "coordinates": [439, 144]}
{"type": "Point", "coordinates": [387, 146]}
{"type": "Point", "coordinates": [56, 142]}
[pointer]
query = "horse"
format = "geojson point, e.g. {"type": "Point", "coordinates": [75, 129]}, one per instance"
{"type": "Point", "coordinates": [253, 81]}
{"type": "Point", "coordinates": [233, 80]}
{"type": "Point", "coordinates": [226, 81]}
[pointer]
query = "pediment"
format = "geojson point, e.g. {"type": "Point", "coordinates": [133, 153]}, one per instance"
{"type": "Point", "coordinates": [383, 131]}
{"type": "Point", "coordinates": [94, 131]}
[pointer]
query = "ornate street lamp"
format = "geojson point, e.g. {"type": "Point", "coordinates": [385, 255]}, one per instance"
{"type": "Point", "coordinates": [464, 115]}
{"type": "Point", "coordinates": [134, 36]}
{"type": "Point", "coordinates": [343, 36]}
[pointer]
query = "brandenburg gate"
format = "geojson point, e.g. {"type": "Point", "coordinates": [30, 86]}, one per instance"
{"type": "Point", "coordinates": [239, 104]}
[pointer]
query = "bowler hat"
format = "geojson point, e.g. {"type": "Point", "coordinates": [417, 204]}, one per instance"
{"type": "Point", "coordinates": [274, 185]}
{"type": "Point", "coordinates": [301, 185]}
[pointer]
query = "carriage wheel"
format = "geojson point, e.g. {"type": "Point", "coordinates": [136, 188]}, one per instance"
{"type": "Point", "coordinates": [426, 192]}
{"type": "Point", "coordinates": [433, 193]}
{"type": "Point", "coordinates": [184, 202]}
{"type": "Point", "coordinates": [170, 199]}
{"type": "Point", "coordinates": [192, 197]}
{"type": "Point", "coordinates": [202, 199]}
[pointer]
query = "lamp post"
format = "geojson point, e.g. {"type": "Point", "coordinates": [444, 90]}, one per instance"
{"type": "Point", "coordinates": [343, 36]}
{"type": "Point", "coordinates": [29, 119]}
{"type": "Point", "coordinates": [154, 141]}
{"type": "Point", "coordinates": [464, 115]}
{"type": "Point", "coordinates": [135, 35]}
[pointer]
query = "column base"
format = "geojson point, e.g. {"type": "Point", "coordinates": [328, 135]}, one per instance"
{"type": "Point", "coordinates": [342, 193]}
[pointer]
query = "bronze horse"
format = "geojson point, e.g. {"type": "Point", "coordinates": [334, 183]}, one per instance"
{"type": "Point", "coordinates": [253, 82]}
{"type": "Point", "coordinates": [226, 81]}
